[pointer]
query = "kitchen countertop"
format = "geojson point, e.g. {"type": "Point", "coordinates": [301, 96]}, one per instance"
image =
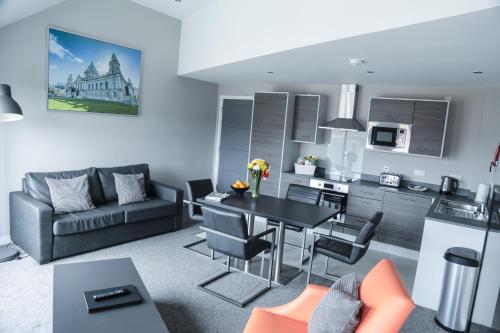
{"type": "Point", "coordinates": [431, 214]}
{"type": "Point", "coordinates": [403, 190]}
{"type": "Point", "coordinates": [436, 196]}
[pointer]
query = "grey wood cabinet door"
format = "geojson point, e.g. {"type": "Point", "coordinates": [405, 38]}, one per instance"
{"type": "Point", "coordinates": [428, 128]}
{"type": "Point", "coordinates": [234, 142]}
{"type": "Point", "coordinates": [391, 110]}
{"type": "Point", "coordinates": [288, 178]}
{"type": "Point", "coordinates": [305, 121]}
{"type": "Point", "coordinates": [267, 136]}
{"type": "Point", "coordinates": [362, 207]}
{"type": "Point", "coordinates": [403, 220]}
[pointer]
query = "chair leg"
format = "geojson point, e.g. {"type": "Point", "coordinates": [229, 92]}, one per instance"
{"type": "Point", "coordinates": [203, 286]}
{"type": "Point", "coordinates": [303, 249]}
{"type": "Point", "coordinates": [271, 261]}
{"type": "Point", "coordinates": [336, 277]}
{"type": "Point", "coordinates": [311, 256]}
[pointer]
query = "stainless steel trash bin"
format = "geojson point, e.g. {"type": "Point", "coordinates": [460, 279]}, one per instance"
{"type": "Point", "coordinates": [459, 285]}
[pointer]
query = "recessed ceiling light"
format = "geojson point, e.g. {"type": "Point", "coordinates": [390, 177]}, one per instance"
{"type": "Point", "coordinates": [270, 72]}
{"type": "Point", "coordinates": [370, 72]}
{"type": "Point", "coordinates": [356, 62]}
{"type": "Point", "coordinates": [477, 72]}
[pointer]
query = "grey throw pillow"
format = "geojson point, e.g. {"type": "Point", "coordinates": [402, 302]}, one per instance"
{"type": "Point", "coordinates": [70, 195]}
{"type": "Point", "coordinates": [130, 188]}
{"type": "Point", "coordinates": [338, 310]}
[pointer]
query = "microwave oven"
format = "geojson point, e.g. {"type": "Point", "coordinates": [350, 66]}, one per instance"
{"type": "Point", "coordinates": [388, 137]}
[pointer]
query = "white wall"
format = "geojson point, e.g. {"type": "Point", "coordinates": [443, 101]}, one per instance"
{"type": "Point", "coordinates": [177, 119]}
{"type": "Point", "coordinates": [226, 31]}
{"type": "Point", "coordinates": [472, 134]}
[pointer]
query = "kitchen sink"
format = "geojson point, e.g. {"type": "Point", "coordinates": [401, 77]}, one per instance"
{"type": "Point", "coordinates": [460, 209]}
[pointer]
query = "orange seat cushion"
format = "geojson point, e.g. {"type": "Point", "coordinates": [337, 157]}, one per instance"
{"type": "Point", "coordinates": [386, 306]}
{"type": "Point", "coordinates": [386, 303]}
{"type": "Point", "coordinates": [263, 321]}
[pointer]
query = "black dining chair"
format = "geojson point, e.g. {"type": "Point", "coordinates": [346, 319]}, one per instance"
{"type": "Point", "coordinates": [227, 233]}
{"type": "Point", "coordinates": [303, 194]}
{"type": "Point", "coordinates": [343, 250]}
{"type": "Point", "coordinates": [197, 189]}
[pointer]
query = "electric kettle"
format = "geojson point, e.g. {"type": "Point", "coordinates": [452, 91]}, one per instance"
{"type": "Point", "coordinates": [449, 185]}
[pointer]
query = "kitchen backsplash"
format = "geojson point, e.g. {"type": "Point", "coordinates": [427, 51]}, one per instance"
{"type": "Point", "coordinates": [342, 152]}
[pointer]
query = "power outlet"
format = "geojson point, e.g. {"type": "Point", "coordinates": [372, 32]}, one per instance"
{"type": "Point", "coordinates": [386, 168]}
{"type": "Point", "coordinates": [458, 177]}
{"type": "Point", "coordinates": [419, 173]}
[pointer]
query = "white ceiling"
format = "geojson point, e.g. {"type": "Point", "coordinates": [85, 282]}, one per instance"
{"type": "Point", "coordinates": [15, 10]}
{"type": "Point", "coordinates": [177, 9]}
{"type": "Point", "coordinates": [440, 53]}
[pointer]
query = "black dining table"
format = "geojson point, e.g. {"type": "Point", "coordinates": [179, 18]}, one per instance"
{"type": "Point", "coordinates": [285, 211]}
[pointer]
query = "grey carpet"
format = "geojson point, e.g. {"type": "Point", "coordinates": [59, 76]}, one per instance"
{"type": "Point", "coordinates": [170, 273]}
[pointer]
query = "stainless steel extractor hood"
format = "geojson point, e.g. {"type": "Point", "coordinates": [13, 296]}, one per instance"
{"type": "Point", "coordinates": [347, 111]}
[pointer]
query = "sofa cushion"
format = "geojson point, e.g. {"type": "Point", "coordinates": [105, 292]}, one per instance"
{"type": "Point", "coordinates": [150, 209]}
{"type": "Point", "coordinates": [338, 310]}
{"type": "Point", "coordinates": [108, 180]}
{"type": "Point", "coordinates": [130, 188]}
{"type": "Point", "coordinates": [103, 216]}
{"type": "Point", "coordinates": [70, 195]}
{"type": "Point", "coordinates": [36, 185]}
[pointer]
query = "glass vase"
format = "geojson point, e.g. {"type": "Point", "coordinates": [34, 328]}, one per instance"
{"type": "Point", "coordinates": [255, 186]}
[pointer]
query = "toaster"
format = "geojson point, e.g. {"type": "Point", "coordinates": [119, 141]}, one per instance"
{"type": "Point", "coordinates": [390, 179]}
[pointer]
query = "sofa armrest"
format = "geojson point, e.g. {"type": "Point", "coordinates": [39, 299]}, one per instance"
{"type": "Point", "coordinates": [31, 226]}
{"type": "Point", "coordinates": [172, 194]}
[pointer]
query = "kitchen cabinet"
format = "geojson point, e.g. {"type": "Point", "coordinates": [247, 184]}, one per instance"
{"type": "Point", "coordinates": [363, 202]}
{"type": "Point", "coordinates": [309, 111]}
{"type": "Point", "coordinates": [270, 136]}
{"type": "Point", "coordinates": [392, 110]}
{"type": "Point", "coordinates": [403, 220]}
{"type": "Point", "coordinates": [428, 130]}
{"type": "Point", "coordinates": [291, 178]}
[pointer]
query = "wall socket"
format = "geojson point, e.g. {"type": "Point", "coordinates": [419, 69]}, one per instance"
{"type": "Point", "coordinates": [458, 177]}
{"type": "Point", "coordinates": [419, 173]}
{"type": "Point", "coordinates": [386, 168]}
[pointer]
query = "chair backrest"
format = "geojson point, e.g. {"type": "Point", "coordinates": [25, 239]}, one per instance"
{"type": "Point", "coordinates": [364, 237]}
{"type": "Point", "coordinates": [386, 303]}
{"type": "Point", "coordinates": [304, 194]}
{"type": "Point", "coordinates": [227, 222]}
{"type": "Point", "coordinates": [197, 189]}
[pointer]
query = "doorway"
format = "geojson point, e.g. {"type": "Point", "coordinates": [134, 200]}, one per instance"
{"type": "Point", "coordinates": [235, 119]}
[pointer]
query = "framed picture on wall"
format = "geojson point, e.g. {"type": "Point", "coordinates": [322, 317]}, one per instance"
{"type": "Point", "coordinates": [91, 75]}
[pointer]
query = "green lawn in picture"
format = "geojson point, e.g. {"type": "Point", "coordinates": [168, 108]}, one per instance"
{"type": "Point", "coordinates": [91, 105]}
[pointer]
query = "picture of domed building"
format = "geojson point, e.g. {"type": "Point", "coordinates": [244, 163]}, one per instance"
{"type": "Point", "coordinates": [110, 86]}
{"type": "Point", "coordinates": [90, 75]}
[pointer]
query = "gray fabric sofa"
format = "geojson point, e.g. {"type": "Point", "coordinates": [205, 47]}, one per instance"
{"type": "Point", "coordinates": [46, 236]}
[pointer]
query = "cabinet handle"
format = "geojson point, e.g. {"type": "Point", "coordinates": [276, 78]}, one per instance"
{"type": "Point", "coordinates": [391, 117]}
{"type": "Point", "coordinates": [424, 149]}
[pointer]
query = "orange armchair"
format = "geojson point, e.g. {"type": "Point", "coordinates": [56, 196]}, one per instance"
{"type": "Point", "coordinates": [386, 306]}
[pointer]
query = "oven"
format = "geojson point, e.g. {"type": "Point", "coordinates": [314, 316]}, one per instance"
{"type": "Point", "coordinates": [333, 195]}
{"type": "Point", "coordinates": [388, 136]}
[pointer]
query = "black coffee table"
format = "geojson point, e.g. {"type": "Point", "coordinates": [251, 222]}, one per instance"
{"type": "Point", "coordinates": [70, 311]}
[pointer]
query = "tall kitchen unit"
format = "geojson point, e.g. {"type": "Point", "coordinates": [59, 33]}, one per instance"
{"type": "Point", "coordinates": [270, 138]}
